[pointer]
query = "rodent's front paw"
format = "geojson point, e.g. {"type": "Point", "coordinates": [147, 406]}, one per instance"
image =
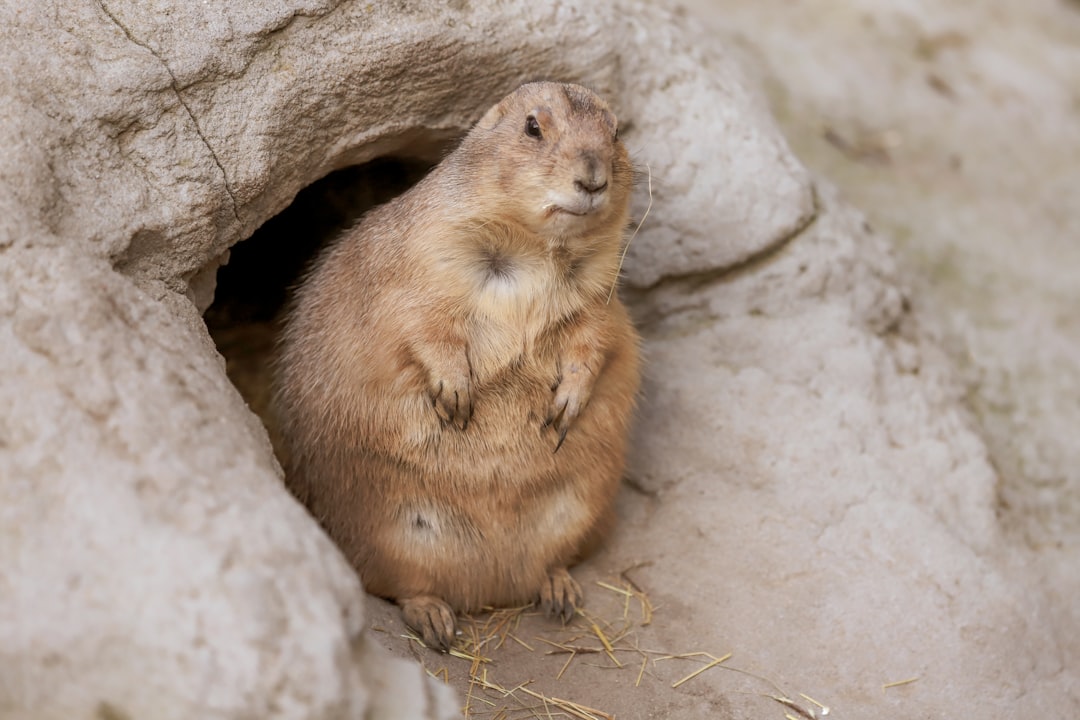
{"type": "Point", "coordinates": [571, 395]}
{"type": "Point", "coordinates": [452, 399]}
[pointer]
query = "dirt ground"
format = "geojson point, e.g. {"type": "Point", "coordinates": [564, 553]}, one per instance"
{"type": "Point", "coordinates": [624, 656]}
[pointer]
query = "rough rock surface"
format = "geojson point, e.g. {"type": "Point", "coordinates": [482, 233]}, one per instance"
{"type": "Point", "coordinates": [961, 143]}
{"type": "Point", "coordinates": [955, 129]}
{"type": "Point", "coordinates": [153, 566]}
{"type": "Point", "coordinates": [806, 485]}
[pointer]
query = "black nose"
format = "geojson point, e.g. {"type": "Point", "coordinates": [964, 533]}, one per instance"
{"type": "Point", "coordinates": [592, 177]}
{"type": "Point", "coordinates": [591, 186]}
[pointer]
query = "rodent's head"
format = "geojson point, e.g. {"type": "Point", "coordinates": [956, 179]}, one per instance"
{"type": "Point", "coordinates": [560, 168]}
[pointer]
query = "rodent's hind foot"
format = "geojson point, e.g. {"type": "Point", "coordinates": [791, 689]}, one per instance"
{"type": "Point", "coordinates": [433, 618]}
{"type": "Point", "coordinates": [560, 595]}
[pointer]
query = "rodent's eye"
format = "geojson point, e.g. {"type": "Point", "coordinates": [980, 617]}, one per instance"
{"type": "Point", "coordinates": [532, 128]}
{"type": "Point", "coordinates": [616, 135]}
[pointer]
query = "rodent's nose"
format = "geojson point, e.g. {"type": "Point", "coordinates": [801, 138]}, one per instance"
{"type": "Point", "coordinates": [591, 186]}
{"type": "Point", "coordinates": [592, 178]}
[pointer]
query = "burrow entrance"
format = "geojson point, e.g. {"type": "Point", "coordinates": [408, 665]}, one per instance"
{"type": "Point", "coordinates": [254, 288]}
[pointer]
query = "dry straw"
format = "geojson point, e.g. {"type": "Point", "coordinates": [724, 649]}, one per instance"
{"type": "Point", "coordinates": [610, 637]}
{"type": "Point", "coordinates": [626, 247]}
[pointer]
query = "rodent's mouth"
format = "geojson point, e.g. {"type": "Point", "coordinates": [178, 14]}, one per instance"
{"type": "Point", "coordinates": [568, 211]}
{"type": "Point", "coordinates": [560, 209]}
{"type": "Point", "coordinates": [573, 205]}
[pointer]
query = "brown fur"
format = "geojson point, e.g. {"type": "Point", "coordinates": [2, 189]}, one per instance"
{"type": "Point", "coordinates": [454, 388]}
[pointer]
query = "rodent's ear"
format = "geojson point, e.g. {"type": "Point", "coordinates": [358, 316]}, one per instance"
{"type": "Point", "coordinates": [492, 117]}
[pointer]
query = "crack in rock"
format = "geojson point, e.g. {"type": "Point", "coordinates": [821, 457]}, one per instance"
{"type": "Point", "coordinates": [288, 22]}
{"type": "Point", "coordinates": [176, 90]}
{"type": "Point", "coordinates": [711, 275]}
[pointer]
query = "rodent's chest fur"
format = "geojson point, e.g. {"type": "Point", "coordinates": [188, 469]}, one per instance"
{"type": "Point", "coordinates": [515, 302]}
{"type": "Point", "coordinates": [509, 288]}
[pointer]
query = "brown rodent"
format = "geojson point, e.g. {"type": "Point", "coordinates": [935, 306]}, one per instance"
{"type": "Point", "coordinates": [454, 385]}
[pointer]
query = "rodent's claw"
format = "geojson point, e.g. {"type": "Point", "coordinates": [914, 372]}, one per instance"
{"type": "Point", "coordinates": [560, 595]}
{"type": "Point", "coordinates": [565, 409]}
{"type": "Point", "coordinates": [432, 618]}
{"type": "Point", "coordinates": [556, 412]}
{"type": "Point", "coordinates": [453, 403]}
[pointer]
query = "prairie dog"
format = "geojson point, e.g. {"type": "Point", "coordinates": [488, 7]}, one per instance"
{"type": "Point", "coordinates": [454, 386]}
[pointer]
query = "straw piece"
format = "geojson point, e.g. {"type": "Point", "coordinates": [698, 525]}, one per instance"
{"type": "Point", "coordinates": [612, 588]}
{"type": "Point", "coordinates": [607, 645]}
{"type": "Point", "coordinates": [566, 665]}
{"type": "Point", "coordinates": [789, 703]}
{"type": "Point", "coordinates": [715, 661]}
{"type": "Point", "coordinates": [520, 642]}
{"type": "Point", "coordinates": [618, 270]}
{"type": "Point", "coordinates": [898, 683]}
{"type": "Point", "coordinates": [583, 712]}
{"type": "Point", "coordinates": [824, 708]}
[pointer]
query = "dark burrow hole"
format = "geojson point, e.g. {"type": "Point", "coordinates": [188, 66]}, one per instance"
{"type": "Point", "coordinates": [253, 289]}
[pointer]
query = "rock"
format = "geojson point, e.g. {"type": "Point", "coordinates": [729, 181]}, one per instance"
{"type": "Point", "coordinates": [154, 565]}
{"type": "Point", "coordinates": [807, 488]}
{"type": "Point", "coordinates": [706, 146]}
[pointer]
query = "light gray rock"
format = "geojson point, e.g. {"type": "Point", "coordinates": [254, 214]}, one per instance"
{"type": "Point", "coordinates": [706, 145]}
{"type": "Point", "coordinates": [811, 494]}
{"type": "Point", "coordinates": [153, 564]}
